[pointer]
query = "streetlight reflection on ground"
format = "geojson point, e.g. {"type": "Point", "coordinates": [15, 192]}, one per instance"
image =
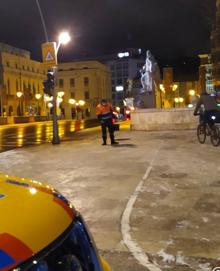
{"type": "Point", "coordinates": [19, 95]}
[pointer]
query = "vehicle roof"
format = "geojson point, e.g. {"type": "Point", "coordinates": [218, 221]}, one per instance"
{"type": "Point", "coordinates": [33, 215]}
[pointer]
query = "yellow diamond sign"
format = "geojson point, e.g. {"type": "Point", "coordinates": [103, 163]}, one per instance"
{"type": "Point", "coordinates": [49, 54]}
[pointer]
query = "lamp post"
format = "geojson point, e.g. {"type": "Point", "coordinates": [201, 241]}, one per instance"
{"type": "Point", "coordinates": [174, 87]}
{"type": "Point", "coordinates": [64, 38]}
{"type": "Point", "coordinates": [162, 89]}
{"type": "Point", "coordinates": [19, 95]}
{"type": "Point", "coordinates": [77, 104]}
{"type": "Point", "coordinates": [72, 102]}
{"type": "Point", "coordinates": [178, 100]}
{"type": "Point", "coordinates": [81, 104]}
{"type": "Point", "coordinates": [38, 96]}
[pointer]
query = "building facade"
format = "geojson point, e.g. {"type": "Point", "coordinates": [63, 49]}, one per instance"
{"type": "Point", "coordinates": [206, 77]}
{"type": "Point", "coordinates": [124, 66]}
{"type": "Point", "coordinates": [215, 46]}
{"type": "Point", "coordinates": [84, 84]}
{"type": "Point", "coordinates": [177, 93]}
{"type": "Point", "coordinates": [20, 80]}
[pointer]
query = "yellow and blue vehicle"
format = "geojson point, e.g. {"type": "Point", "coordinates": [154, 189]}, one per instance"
{"type": "Point", "coordinates": [41, 231]}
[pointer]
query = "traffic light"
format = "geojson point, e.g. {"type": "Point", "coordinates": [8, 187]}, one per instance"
{"type": "Point", "coordinates": [49, 83]}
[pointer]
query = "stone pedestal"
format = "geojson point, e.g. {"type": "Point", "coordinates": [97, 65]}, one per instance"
{"type": "Point", "coordinates": [163, 119]}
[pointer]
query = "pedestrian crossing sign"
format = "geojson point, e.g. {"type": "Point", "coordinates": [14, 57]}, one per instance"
{"type": "Point", "coordinates": [49, 54]}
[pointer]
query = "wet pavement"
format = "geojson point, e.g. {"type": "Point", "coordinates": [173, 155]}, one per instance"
{"type": "Point", "coordinates": [152, 203]}
{"type": "Point", "coordinates": [27, 134]}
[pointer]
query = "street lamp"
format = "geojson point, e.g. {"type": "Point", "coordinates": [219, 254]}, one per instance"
{"type": "Point", "coordinates": [178, 100]}
{"type": "Point", "coordinates": [77, 104]}
{"type": "Point", "coordinates": [19, 95]}
{"type": "Point", "coordinates": [60, 94]}
{"type": "Point", "coordinates": [81, 102]}
{"type": "Point", "coordinates": [192, 92]}
{"type": "Point", "coordinates": [72, 102]}
{"type": "Point", "coordinates": [38, 96]}
{"type": "Point", "coordinates": [162, 89]}
{"type": "Point", "coordinates": [64, 38]}
{"type": "Point", "coordinates": [50, 105]}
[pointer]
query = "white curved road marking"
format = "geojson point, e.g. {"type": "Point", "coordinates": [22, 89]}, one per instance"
{"type": "Point", "coordinates": [131, 244]}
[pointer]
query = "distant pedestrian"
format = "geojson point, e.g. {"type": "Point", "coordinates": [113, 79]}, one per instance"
{"type": "Point", "coordinates": [104, 113]}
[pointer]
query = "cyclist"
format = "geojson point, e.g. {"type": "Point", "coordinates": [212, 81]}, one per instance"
{"type": "Point", "coordinates": [211, 110]}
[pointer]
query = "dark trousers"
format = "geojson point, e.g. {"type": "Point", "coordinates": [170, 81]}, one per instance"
{"type": "Point", "coordinates": [108, 124]}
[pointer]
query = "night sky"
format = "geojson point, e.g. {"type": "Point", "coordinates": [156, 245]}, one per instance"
{"type": "Point", "coordinates": [170, 29]}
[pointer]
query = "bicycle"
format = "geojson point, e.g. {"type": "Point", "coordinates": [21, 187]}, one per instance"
{"type": "Point", "coordinates": [204, 130]}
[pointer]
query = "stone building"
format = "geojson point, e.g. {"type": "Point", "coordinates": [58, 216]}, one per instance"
{"type": "Point", "coordinates": [215, 45]}
{"type": "Point", "coordinates": [87, 81]}
{"type": "Point", "coordinates": [20, 80]}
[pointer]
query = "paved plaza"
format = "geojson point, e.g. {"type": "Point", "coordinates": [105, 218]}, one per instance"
{"type": "Point", "coordinates": [151, 203]}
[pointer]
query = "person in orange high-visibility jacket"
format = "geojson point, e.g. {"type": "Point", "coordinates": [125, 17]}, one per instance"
{"type": "Point", "coordinates": [104, 113]}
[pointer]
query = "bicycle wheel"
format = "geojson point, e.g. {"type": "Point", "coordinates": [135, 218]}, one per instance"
{"type": "Point", "coordinates": [201, 133]}
{"type": "Point", "coordinates": [215, 136]}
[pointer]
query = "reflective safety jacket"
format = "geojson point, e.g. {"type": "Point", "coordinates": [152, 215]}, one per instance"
{"type": "Point", "coordinates": [104, 112]}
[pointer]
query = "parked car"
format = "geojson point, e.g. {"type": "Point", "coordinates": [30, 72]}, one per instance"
{"type": "Point", "coordinates": [40, 230]}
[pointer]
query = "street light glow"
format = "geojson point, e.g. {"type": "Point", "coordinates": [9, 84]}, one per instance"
{"type": "Point", "coordinates": [162, 88]}
{"type": "Point", "coordinates": [81, 102]}
{"type": "Point", "coordinates": [38, 96]}
{"type": "Point", "coordinates": [174, 87]}
{"type": "Point", "coordinates": [19, 94]}
{"type": "Point", "coordinates": [59, 100]}
{"type": "Point", "coordinates": [72, 101]}
{"type": "Point", "coordinates": [192, 92]}
{"type": "Point", "coordinates": [64, 38]}
{"type": "Point", "coordinates": [176, 100]}
{"type": "Point", "coordinates": [61, 94]}
{"type": "Point", "coordinates": [119, 88]}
